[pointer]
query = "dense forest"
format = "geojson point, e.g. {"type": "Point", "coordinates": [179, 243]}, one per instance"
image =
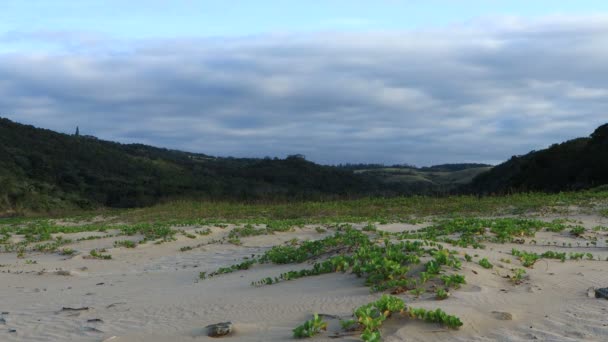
{"type": "Point", "coordinates": [573, 165]}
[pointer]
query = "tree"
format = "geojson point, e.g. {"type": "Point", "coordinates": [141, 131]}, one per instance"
{"type": "Point", "coordinates": [77, 131]}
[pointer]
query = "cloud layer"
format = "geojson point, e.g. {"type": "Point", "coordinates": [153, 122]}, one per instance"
{"type": "Point", "coordinates": [477, 92]}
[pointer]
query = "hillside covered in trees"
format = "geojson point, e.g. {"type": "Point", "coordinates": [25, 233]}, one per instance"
{"type": "Point", "coordinates": [42, 170]}
{"type": "Point", "coordinates": [573, 165]}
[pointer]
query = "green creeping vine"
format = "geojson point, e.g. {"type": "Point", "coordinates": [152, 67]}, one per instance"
{"type": "Point", "coordinates": [245, 265]}
{"type": "Point", "coordinates": [371, 316]}
{"type": "Point", "coordinates": [528, 259]}
{"type": "Point", "coordinates": [465, 232]}
{"type": "Point", "coordinates": [383, 266]}
{"type": "Point", "coordinates": [436, 316]}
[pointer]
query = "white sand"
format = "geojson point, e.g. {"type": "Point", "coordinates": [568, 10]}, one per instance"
{"type": "Point", "coordinates": [152, 293]}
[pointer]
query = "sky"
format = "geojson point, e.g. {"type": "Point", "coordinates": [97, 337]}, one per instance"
{"type": "Point", "coordinates": [339, 81]}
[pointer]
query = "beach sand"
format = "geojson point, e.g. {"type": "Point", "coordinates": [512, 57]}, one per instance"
{"type": "Point", "coordinates": [153, 293]}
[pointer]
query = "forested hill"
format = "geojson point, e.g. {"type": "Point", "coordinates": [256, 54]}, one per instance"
{"type": "Point", "coordinates": [576, 164]}
{"type": "Point", "coordinates": [42, 169]}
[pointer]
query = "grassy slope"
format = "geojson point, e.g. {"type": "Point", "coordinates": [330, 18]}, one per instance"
{"type": "Point", "coordinates": [429, 179]}
{"type": "Point", "coordinates": [359, 210]}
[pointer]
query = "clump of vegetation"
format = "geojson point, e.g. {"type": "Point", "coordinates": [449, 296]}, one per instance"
{"type": "Point", "coordinates": [527, 259]}
{"type": "Point", "coordinates": [125, 243]}
{"type": "Point", "coordinates": [158, 232]}
{"type": "Point", "coordinates": [67, 251]}
{"type": "Point", "coordinates": [310, 328]}
{"type": "Point", "coordinates": [518, 276]}
{"type": "Point", "coordinates": [203, 232]}
{"type": "Point", "coordinates": [417, 292]}
{"type": "Point", "coordinates": [577, 231]}
{"type": "Point", "coordinates": [579, 256]}
{"type": "Point", "coordinates": [441, 294]}
{"type": "Point", "coordinates": [454, 280]}
{"type": "Point", "coordinates": [485, 263]}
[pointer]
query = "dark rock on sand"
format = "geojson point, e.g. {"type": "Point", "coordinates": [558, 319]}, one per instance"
{"type": "Point", "coordinates": [503, 316]}
{"type": "Point", "coordinates": [601, 293]}
{"type": "Point", "coordinates": [219, 329]}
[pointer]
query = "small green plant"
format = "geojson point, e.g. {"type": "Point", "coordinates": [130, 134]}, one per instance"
{"type": "Point", "coordinates": [468, 258]}
{"type": "Point", "coordinates": [527, 259]}
{"type": "Point", "coordinates": [30, 262]}
{"type": "Point", "coordinates": [454, 280]}
{"type": "Point", "coordinates": [310, 328]}
{"type": "Point", "coordinates": [577, 231]}
{"type": "Point", "coordinates": [98, 254]}
{"type": "Point", "coordinates": [485, 263]}
{"type": "Point", "coordinates": [441, 294]}
{"type": "Point", "coordinates": [518, 276]}
{"type": "Point", "coordinates": [417, 291]}
{"type": "Point", "coordinates": [67, 251]}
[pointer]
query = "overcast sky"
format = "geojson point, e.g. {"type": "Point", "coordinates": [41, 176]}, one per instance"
{"type": "Point", "coordinates": [419, 82]}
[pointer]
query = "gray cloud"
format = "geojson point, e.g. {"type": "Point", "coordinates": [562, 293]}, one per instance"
{"type": "Point", "coordinates": [476, 92]}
